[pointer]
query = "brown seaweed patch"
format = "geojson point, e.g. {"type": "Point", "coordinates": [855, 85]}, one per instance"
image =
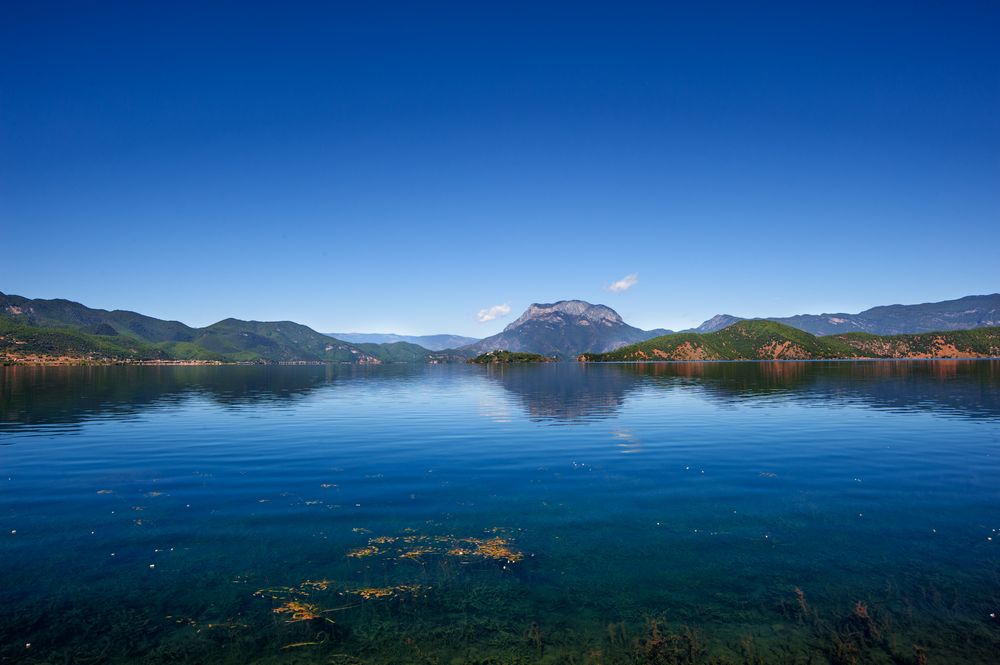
{"type": "Point", "coordinates": [416, 553]}
{"type": "Point", "coordinates": [498, 549]}
{"type": "Point", "coordinates": [416, 547]}
{"type": "Point", "coordinates": [300, 611]}
{"type": "Point", "coordinates": [374, 593]}
{"type": "Point", "coordinates": [361, 552]}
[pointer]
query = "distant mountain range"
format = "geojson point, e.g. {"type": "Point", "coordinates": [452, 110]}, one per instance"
{"type": "Point", "coordinates": [564, 329]}
{"type": "Point", "coordinates": [762, 339]}
{"type": "Point", "coordinates": [961, 314]}
{"type": "Point", "coordinates": [430, 342]}
{"type": "Point", "coordinates": [37, 330]}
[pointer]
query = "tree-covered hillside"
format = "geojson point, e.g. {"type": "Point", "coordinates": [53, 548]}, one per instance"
{"type": "Point", "coordinates": [767, 340]}
{"type": "Point", "coordinates": [39, 329]}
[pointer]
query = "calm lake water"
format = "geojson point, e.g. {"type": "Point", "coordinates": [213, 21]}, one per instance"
{"type": "Point", "coordinates": [672, 513]}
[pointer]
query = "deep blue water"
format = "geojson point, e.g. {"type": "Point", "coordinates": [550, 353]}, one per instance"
{"type": "Point", "coordinates": [668, 513]}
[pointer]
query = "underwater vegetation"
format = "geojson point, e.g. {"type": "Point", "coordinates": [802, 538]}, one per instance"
{"type": "Point", "coordinates": [438, 597]}
{"type": "Point", "coordinates": [457, 612]}
{"type": "Point", "coordinates": [417, 547]}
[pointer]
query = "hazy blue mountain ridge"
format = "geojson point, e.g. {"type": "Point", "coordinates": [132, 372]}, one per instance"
{"type": "Point", "coordinates": [431, 342]}
{"type": "Point", "coordinates": [966, 313]}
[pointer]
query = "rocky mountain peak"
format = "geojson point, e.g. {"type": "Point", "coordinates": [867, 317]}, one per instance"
{"type": "Point", "coordinates": [559, 312]}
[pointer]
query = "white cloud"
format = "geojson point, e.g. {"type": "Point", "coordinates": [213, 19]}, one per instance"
{"type": "Point", "coordinates": [625, 283]}
{"type": "Point", "coordinates": [485, 315]}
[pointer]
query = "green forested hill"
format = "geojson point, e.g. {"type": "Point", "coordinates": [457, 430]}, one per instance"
{"type": "Point", "coordinates": [405, 352]}
{"type": "Point", "coordinates": [62, 328]}
{"type": "Point", "coordinates": [61, 313]}
{"type": "Point", "coordinates": [19, 340]}
{"type": "Point", "coordinates": [767, 340]}
{"type": "Point", "coordinates": [273, 340]}
{"type": "Point", "coordinates": [981, 342]}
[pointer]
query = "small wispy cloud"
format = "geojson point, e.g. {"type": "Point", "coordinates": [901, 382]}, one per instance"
{"type": "Point", "coordinates": [625, 283]}
{"type": "Point", "coordinates": [485, 315]}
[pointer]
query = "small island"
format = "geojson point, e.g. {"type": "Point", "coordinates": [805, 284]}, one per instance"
{"type": "Point", "coordinates": [509, 357]}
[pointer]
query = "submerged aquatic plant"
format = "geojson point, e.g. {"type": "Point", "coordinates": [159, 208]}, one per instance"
{"type": "Point", "coordinates": [534, 636]}
{"type": "Point", "coordinates": [416, 553]}
{"type": "Point", "coordinates": [800, 596]}
{"type": "Point", "coordinates": [372, 593]}
{"type": "Point", "coordinates": [667, 648]}
{"type": "Point", "coordinates": [498, 549]}
{"type": "Point", "coordinates": [361, 552]}
{"type": "Point", "coordinates": [415, 547]}
{"type": "Point", "coordinates": [300, 611]}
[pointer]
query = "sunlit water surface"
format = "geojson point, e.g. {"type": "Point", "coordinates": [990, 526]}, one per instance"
{"type": "Point", "coordinates": [670, 513]}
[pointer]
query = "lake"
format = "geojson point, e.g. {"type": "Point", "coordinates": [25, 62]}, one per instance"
{"type": "Point", "coordinates": [743, 513]}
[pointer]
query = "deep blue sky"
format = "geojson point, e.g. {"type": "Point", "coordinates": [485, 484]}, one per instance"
{"type": "Point", "coordinates": [400, 168]}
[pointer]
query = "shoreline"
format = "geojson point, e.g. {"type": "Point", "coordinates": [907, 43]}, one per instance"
{"type": "Point", "coordinates": [784, 360]}
{"type": "Point", "coordinates": [77, 362]}
{"type": "Point", "coordinates": [81, 362]}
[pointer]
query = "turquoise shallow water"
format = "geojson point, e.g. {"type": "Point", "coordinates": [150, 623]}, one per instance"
{"type": "Point", "coordinates": [669, 513]}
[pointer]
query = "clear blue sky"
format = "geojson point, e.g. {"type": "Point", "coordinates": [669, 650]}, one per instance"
{"type": "Point", "coordinates": [401, 167]}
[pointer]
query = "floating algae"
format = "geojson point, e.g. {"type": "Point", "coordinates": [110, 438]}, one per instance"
{"type": "Point", "coordinates": [373, 593]}
{"type": "Point", "coordinates": [305, 588]}
{"type": "Point", "coordinates": [369, 593]}
{"type": "Point", "coordinates": [416, 553]}
{"type": "Point", "coordinates": [300, 611]}
{"type": "Point", "coordinates": [498, 549]}
{"type": "Point", "coordinates": [415, 547]}
{"type": "Point", "coordinates": [369, 550]}
{"type": "Point", "coordinates": [293, 600]}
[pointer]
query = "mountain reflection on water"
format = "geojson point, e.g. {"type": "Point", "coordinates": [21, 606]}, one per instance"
{"type": "Point", "coordinates": [560, 392]}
